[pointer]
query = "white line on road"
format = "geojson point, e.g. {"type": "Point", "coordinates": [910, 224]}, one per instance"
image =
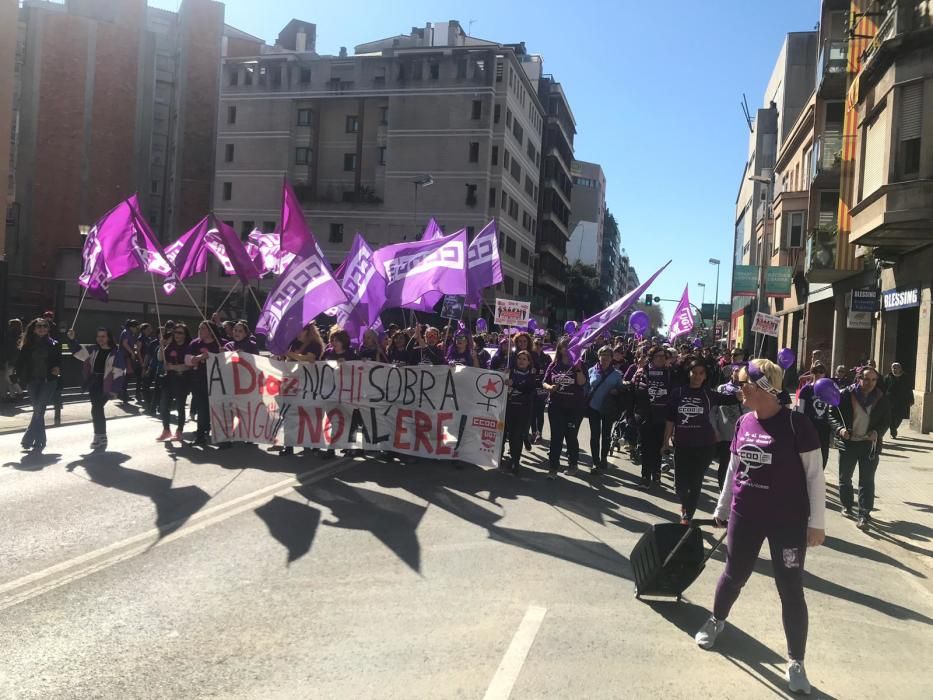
{"type": "Point", "coordinates": [500, 688]}
{"type": "Point", "coordinates": [57, 575]}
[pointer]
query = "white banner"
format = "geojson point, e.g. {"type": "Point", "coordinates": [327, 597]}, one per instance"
{"type": "Point", "coordinates": [766, 324]}
{"type": "Point", "coordinates": [436, 412]}
{"type": "Point", "coordinates": [512, 313]}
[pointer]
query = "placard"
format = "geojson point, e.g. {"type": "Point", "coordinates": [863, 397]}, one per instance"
{"type": "Point", "coordinates": [766, 324]}
{"type": "Point", "coordinates": [510, 312]}
{"type": "Point", "coordinates": [452, 307]}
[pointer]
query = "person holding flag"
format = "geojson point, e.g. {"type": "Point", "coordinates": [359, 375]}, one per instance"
{"type": "Point", "coordinates": [103, 378]}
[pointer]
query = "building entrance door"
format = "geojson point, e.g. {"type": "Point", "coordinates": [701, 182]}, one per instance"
{"type": "Point", "coordinates": [908, 325]}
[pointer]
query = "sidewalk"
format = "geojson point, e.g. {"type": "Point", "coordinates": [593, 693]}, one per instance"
{"type": "Point", "coordinates": [14, 418]}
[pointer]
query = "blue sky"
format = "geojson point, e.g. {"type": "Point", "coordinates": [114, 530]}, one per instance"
{"type": "Point", "coordinates": [655, 89]}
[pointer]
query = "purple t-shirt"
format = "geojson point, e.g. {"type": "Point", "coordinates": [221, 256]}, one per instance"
{"type": "Point", "coordinates": [176, 354]}
{"type": "Point", "coordinates": [689, 410]}
{"type": "Point", "coordinates": [569, 394]}
{"type": "Point", "coordinates": [196, 348]}
{"type": "Point", "coordinates": [770, 482]}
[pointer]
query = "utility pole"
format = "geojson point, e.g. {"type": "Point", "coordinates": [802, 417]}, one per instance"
{"type": "Point", "coordinates": [764, 179]}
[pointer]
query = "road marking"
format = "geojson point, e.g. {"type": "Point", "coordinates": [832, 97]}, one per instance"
{"type": "Point", "coordinates": [35, 584]}
{"type": "Point", "coordinates": [500, 688]}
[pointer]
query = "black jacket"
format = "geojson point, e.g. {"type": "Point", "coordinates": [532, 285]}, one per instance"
{"type": "Point", "coordinates": [24, 362]}
{"type": "Point", "coordinates": [878, 420]}
{"type": "Point", "coordinates": [900, 393]}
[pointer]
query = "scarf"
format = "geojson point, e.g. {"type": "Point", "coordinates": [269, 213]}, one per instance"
{"type": "Point", "coordinates": [866, 401]}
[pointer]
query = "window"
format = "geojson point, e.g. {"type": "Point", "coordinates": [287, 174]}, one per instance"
{"type": "Point", "coordinates": [474, 151]}
{"type": "Point", "coordinates": [231, 114]}
{"type": "Point", "coordinates": [506, 158]}
{"type": "Point", "coordinates": [353, 124]}
{"type": "Point", "coordinates": [268, 226]}
{"type": "Point", "coordinates": [510, 247]}
{"type": "Point", "coordinates": [471, 195]}
{"type": "Point", "coordinates": [495, 155]}
{"type": "Point", "coordinates": [477, 112]}
{"type": "Point", "coordinates": [500, 66]}
{"type": "Point", "coordinates": [874, 147]}
{"type": "Point", "coordinates": [304, 75]}
{"type": "Point", "coordinates": [384, 115]}
{"type": "Point", "coordinates": [154, 187]}
{"type": "Point", "coordinates": [508, 118]}
{"type": "Point", "coordinates": [435, 69]}
{"type": "Point", "coordinates": [505, 200]}
{"type": "Point", "coordinates": [492, 197]}
{"type": "Point", "coordinates": [531, 151]}
{"type": "Point", "coordinates": [518, 132]}
{"type": "Point", "coordinates": [461, 68]}
{"type": "Point", "coordinates": [525, 256]}
{"type": "Point", "coordinates": [529, 186]}
{"type": "Point", "coordinates": [228, 191]}
{"type": "Point", "coordinates": [908, 137]}
{"type": "Point", "coordinates": [248, 76]}
{"type": "Point", "coordinates": [302, 156]}
{"type": "Point", "coordinates": [496, 114]}
{"type": "Point", "coordinates": [516, 170]}
{"type": "Point", "coordinates": [246, 228]}
{"type": "Point", "coordinates": [471, 232]}
{"type": "Point", "coordinates": [349, 161]}
{"type": "Point", "coordinates": [304, 117]}
{"type": "Point", "coordinates": [509, 285]}
{"type": "Point", "coordinates": [795, 229]}
{"type": "Point", "coordinates": [501, 243]}
{"type": "Point", "coordinates": [522, 289]}
{"type": "Point", "coordinates": [536, 193]}
{"type": "Point", "coordinates": [380, 77]}
{"type": "Point", "coordinates": [336, 233]}
{"type": "Point", "coordinates": [235, 77]}
{"type": "Point", "coordinates": [513, 209]}
{"type": "Point", "coordinates": [382, 155]}
{"type": "Point", "coordinates": [228, 153]}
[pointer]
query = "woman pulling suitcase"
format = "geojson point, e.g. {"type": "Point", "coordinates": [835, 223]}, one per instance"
{"type": "Point", "coordinates": [774, 490]}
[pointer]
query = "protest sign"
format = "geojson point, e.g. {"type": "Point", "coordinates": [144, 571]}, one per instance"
{"type": "Point", "coordinates": [766, 324]}
{"type": "Point", "coordinates": [512, 313]}
{"type": "Point", "coordinates": [452, 307]}
{"type": "Point", "coordinates": [438, 412]}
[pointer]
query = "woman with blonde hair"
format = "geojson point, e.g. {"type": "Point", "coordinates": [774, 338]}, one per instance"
{"type": "Point", "coordinates": [774, 490]}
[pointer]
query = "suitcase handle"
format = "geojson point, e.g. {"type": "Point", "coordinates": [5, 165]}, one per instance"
{"type": "Point", "coordinates": [690, 528]}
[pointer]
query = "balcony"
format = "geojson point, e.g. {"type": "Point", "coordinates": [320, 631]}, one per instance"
{"type": "Point", "coordinates": [827, 157]}
{"type": "Point", "coordinates": [902, 19]}
{"type": "Point", "coordinates": [831, 69]}
{"type": "Point", "coordinates": [546, 278]}
{"type": "Point", "coordinates": [898, 216]}
{"type": "Point", "coordinates": [553, 249]}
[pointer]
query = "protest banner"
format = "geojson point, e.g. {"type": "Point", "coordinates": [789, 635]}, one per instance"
{"type": "Point", "coordinates": [512, 313]}
{"type": "Point", "coordinates": [766, 324]}
{"type": "Point", "coordinates": [438, 412]}
{"type": "Point", "coordinates": [452, 308]}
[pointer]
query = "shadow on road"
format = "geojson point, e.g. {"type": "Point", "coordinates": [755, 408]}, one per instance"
{"type": "Point", "coordinates": [292, 524]}
{"type": "Point", "coordinates": [34, 462]}
{"type": "Point", "coordinates": [857, 550]}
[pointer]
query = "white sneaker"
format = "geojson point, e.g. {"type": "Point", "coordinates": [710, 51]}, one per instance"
{"type": "Point", "coordinates": [797, 678]}
{"type": "Point", "coordinates": [711, 629]}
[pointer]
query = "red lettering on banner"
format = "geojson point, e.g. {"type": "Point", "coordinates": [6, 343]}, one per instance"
{"type": "Point", "coordinates": [272, 386]}
{"type": "Point", "coordinates": [239, 387]}
{"type": "Point", "coordinates": [442, 448]}
{"type": "Point", "coordinates": [312, 425]}
{"type": "Point", "coordinates": [400, 430]}
{"type": "Point", "coordinates": [423, 425]}
{"type": "Point", "coordinates": [333, 417]}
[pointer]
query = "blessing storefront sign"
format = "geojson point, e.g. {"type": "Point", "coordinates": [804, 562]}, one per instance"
{"type": "Point", "coordinates": [896, 299]}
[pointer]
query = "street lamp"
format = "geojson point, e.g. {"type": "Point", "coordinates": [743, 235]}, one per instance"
{"type": "Point", "coordinates": [715, 261]}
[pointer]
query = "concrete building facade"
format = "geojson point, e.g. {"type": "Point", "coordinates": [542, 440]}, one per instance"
{"type": "Point", "coordinates": [588, 214]}
{"type": "Point", "coordinates": [8, 66]}
{"type": "Point", "coordinates": [430, 123]}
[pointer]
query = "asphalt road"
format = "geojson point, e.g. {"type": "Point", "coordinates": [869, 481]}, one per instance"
{"type": "Point", "coordinates": [150, 572]}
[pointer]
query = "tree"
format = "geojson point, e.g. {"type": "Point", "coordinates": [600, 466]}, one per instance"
{"type": "Point", "coordinates": [654, 313]}
{"type": "Point", "coordinates": [584, 296]}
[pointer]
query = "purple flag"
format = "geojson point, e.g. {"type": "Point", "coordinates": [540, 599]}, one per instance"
{"type": "Point", "coordinates": [414, 269]}
{"type": "Point", "coordinates": [682, 320]}
{"type": "Point", "coordinates": [121, 241]}
{"type": "Point", "coordinates": [274, 259]}
{"type": "Point", "coordinates": [431, 231]}
{"type": "Point", "coordinates": [227, 247]}
{"type": "Point", "coordinates": [306, 288]}
{"type": "Point", "coordinates": [296, 236]}
{"type": "Point", "coordinates": [484, 269]}
{"type": "Point", "coordinates": [365, 290]}
{"type": "Point", "coordinates": [590, 329]}
{"type": "Point", "coordinates": [188, 255]}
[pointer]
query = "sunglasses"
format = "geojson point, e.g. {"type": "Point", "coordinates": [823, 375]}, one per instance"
{"type": "Point", "coordinates": [42, 325]}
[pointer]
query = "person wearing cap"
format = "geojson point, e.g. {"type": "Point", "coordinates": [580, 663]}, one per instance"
{"type": "Point", "coordinates": [774, 490]}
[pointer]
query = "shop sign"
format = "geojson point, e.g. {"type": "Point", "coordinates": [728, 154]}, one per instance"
{"type": "Point", "coordinates": [745, 281]}
{"type": "Point", "coordinates": [896, 299]}
{"type": "Point", "coordinates": [778, 280]}
{"type": "Point", "coordinates": [859, 319]}
{"type": "Point", "coordinates": [865, 299]}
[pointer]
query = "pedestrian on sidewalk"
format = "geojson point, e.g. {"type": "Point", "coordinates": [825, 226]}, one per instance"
{"type": "Point", "coordinates": [858, 425]}
{"type": "Point", "coordinates": [810, 405]}
{"type": "Point", "coordinates": [9, 355]}
{"type": "Point", "coordinates": [774, 490]}
{"type": "Point", "coordinates": [603, 406]}
{"type": "Point", "coordinates": [690, 423]}
{"type": "Point", "coordinates": [521, 388]}
{"type": "Point", "coordinates": [900, 392]}
{"type": "Point", "coordinates": [564, 380]}
{"type": "Point", "coordinates": [177, 380]}
{"type": "Point", "coordinates": [102, 378]}
{"type": "Point", "coordinates": [39, 368]}
{"type": "Point", "coordinates": [199, 351]}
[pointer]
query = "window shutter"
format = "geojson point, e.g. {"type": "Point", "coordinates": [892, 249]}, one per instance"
{"type": "Point", "coordinates": [875, 143]}
{"type": "Point", "coordinates": [911, 111]}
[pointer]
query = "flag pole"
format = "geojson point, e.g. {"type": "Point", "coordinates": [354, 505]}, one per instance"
{"type": "Point", "coordinates": [232, 290]}
{"type": "Point", "coordinates": [80, 304]}
{"type": "Point", "coordinates": [155, 298]}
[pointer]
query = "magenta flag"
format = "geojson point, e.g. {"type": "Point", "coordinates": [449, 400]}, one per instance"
{"type": "Point", "coordinates": [188, 255]}
{"type": "Point", "coordinates": [432, 231]}
{"type": "Point", "coordinates": [305, 289]}
{"type": "Point", "coordinates": [418, 268]}
{"type": "Point", "coordinates": [274, 259]}
{"type": "Point", "coordinates": [591, 328]}
{"type": "Point", "coordinates": [120, 242]}
{"type": "Point", "coordinates": [296, 236]}
{"type": "Point", "coordinates": [365, 290]}
{"type": "Point", "coordinates": [484, 268]}
{"type": "Point", "coordinates": [682, 320]}
{"type": "Point", "coordinates": [230, 251]}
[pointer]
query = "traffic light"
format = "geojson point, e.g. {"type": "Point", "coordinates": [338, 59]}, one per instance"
{"type": "Point", "coordinates": [647, 300]}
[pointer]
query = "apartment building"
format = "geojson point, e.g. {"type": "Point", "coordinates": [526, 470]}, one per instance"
{"type": "Point", "coordinates": [588, 214]}
{"type": "Point", "coordinates": [890, 216]}
{"type": "Point", "coordinates": [112, 98]}
{"type": "Point", "coordinates": [429, 123]}
{"type": "Point", "coordinates": [611, 276]}
{"type": "Point", "coordinates": [8, 39]}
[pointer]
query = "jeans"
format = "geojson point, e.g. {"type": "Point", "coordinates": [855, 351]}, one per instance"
{"type": "Point", "coordinates": [174, 389]}
{"type": "Point", "coordinates": [651, 435]}
{"type": "Point", "coordinates": [98, 400]}
{"type": "Point", "coordinates": [564, 423]}
{"type": "Point", "coordinates": [690, 465]}
{"type": "Point", "coordinates": [825, 437]}
{"type": "Point", "coordinates": [537, 414]}
{"type": "Point", "coordinates": [857, 453]}
{"type": "Point", "coordinates": [201, 401]}
{"type": "Point", "coordinates": [516, 431]}
{"type": "Point", "coordinates": [788, 545]}
{"type": "Point", "coordinates": [600, 435]}
{"type": "Point", "coordinates": [41, 394]}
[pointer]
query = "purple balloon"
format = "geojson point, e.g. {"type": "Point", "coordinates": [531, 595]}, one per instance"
{"type": "Point", "coordinates": [532, 325]}
{"type": "Point", "coordinates": [481, 325]}
{"type": "Point", "coordinates": [827, 391]}
{"type": "Point", "coordinates": [639, 322]}
{"type": "Point", "coordinates": [570, 327]}
{"type": "Point", "coordinates": [786, 358]}
{"type": "Point", "coordinates": [698, 343]}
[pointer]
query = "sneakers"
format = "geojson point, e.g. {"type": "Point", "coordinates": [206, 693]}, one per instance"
{"type": "Point", "coordinates": [645, 483]}
{"type": "Point", "coordinates": [552, 474]}
{"type": "Point", "coordinates": [685, 520]}
{"type": "Point", "coordinates": [847, 511]}
{"type": "Point", "coordinates": [528, 443]}
{"type": "Point", "coordinates": [797, 678]}
{"type": "Point", "coordinates": [99, 442]}
{"type": "Point", "coordinates": [862, 523]}
{"type": "Point", "coordinates": [537, 439]}
{"type": "Point", "coordinates": [177, 437]}
{"type": "Point", "coordinates": [165, 435]}
{"type": "Point", "coordinates": [708, 633]}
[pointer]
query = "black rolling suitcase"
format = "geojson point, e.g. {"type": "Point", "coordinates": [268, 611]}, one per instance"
{"type": "Point", "coordinates": [669, 557]}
